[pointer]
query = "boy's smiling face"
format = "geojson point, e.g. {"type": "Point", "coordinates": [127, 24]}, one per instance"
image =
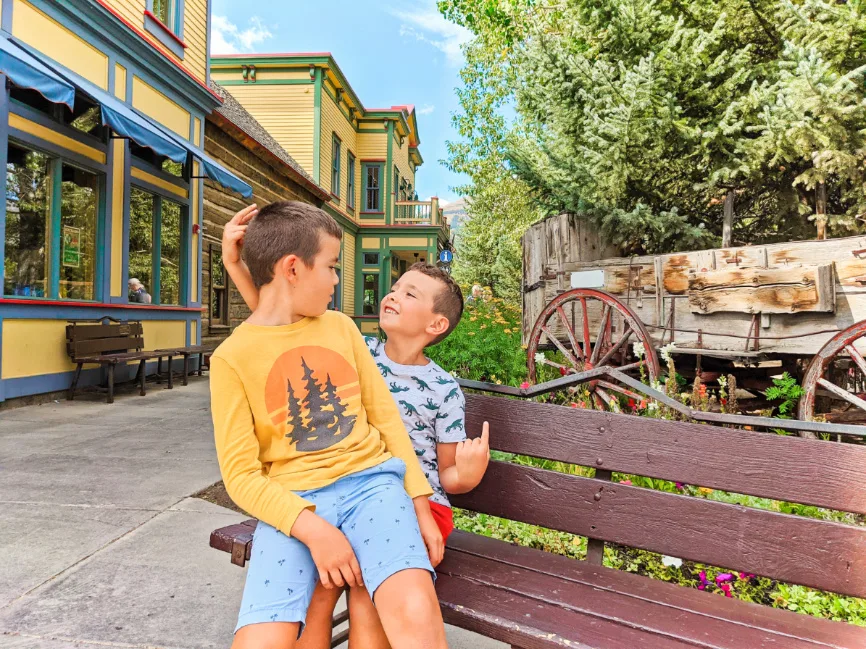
{"type": "Point", "coordinates": [314, 286]}
{"type": "Point", "coordinates": [409, 309]}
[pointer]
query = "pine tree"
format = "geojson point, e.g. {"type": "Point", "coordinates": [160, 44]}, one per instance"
{"type": "Point", "coordinates": [294, 417]}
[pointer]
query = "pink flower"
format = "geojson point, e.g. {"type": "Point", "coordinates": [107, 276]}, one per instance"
{"type": "Point", "coordinates": [702, 586]}
{"type": "Point", "coordinates": [524, 385]}
{"type": "Point", "coordinates": [628, 482]}
{"type": "Point", "coordinates": [726, 588]}
{"type": "Point", "coordinates": [703, 575]}
{"type": "Point", "coordinates": [746, 575]}
{"type": "Point", "coordinates": [724, 577]}
{"type": "Point", "coordinates": [680, 486]}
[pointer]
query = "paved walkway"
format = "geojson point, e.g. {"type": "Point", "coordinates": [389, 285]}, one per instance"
{"type": "Point", "coordinates": [100, 543]}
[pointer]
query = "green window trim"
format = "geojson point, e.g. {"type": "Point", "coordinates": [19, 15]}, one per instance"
{"type": "Point", "coordinates": [350, 180]}
{"type": "Point", "coordinates": [372, 173]}
{"type": "Point", "coordinates": [64, 259]}
{"type": "Point", "coordinates": [335, 165]}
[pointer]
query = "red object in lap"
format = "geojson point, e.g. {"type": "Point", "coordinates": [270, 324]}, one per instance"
{"type": "Point", "coordinates": [444, 518]}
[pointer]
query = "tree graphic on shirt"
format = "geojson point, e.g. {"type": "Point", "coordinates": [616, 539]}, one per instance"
{"type": "Point", "coordinates": [326, 420]}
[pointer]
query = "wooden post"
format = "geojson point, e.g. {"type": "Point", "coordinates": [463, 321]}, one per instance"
{"type": "Point", "coordinates": [728, 220]}
{"type": "Point", "coordinates": [434, 210]}
{"type": "Point", "coordinates": [821, 210]}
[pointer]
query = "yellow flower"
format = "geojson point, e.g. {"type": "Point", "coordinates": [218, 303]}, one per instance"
{"type": "Point", "coordinates": [705, 491]}
{"type": "Point", "coordinates": [473, 319]}
{"type": "Point", "coordinates": [483, 327]}
{"type": "Point", "coordinates": [508, 331]}
{"type": "Point", "coordinates": [471, 333]}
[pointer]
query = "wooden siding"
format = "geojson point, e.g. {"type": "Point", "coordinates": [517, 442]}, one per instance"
{"type": "Point", "coordinates": [287, 114]}
{"type": "Point", "coordinates": [372, 146]}
{"type": "Point", "coordinates": [348, 274]}
{"type": "Point", "coordinates": [220, 205]}
{"type": "Point", "coordinates": [400, 158]}
{"type": "Point", "coordinates": [194, 31]}
{"type": "Point", "coordinates": [334, 121]}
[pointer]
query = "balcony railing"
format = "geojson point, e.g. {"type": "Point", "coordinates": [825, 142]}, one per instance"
{"type": "Point", "coordinates": [418, 213]}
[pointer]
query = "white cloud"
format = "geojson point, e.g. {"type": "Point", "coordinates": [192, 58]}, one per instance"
{"type": "Point", "coordinates": [426, 109]}
{"type": "Point", "coordinates": [426, 24]}
{"type": "Point", "coordinates": [228, 38]}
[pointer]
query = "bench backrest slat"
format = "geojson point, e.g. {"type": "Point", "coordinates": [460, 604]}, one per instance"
{"type": "Point", "coordinates": [824, 474]}
{"type": "Point", "coordinates": [806, 551]}
{"type": "Point", "coordinates": [87, 339]}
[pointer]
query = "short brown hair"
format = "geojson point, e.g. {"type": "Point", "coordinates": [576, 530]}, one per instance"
{"type": "Point", "coordinates": [449, 302]}
{"type": "Point", "coordinates": [285, 228]}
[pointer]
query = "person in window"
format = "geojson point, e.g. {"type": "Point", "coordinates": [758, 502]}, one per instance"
{"type": "Point", "coordinates": [137, 292]}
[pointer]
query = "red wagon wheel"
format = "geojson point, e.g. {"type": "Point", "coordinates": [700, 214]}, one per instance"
{"type": "Point", "coordinates": [592, 328]}
{"type": "Point", "coordinates": [837, 374]}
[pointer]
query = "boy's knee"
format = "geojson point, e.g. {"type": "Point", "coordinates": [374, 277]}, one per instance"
{"type": "Point", "coordinates": [416, 603]}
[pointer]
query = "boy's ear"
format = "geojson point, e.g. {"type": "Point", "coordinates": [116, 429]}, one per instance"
{"type": "Point", "coordinates": [287, 266]}
{"type": "Point", "coordinates": [439, 326]}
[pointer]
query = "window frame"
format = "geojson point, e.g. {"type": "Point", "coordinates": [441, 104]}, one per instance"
{"type": "Point", "coordinates": [336, 154]}
{"type": "Point", "coordinates": [350, 180]}
{"type": "Point", "coordinates": [57, 158]}
{"type": "Point", "coordinates": [224, 322]}
{"type": "Point", "coordinates": [161, 195]}
{"type": "Point", "coordinates": [380, 166]}
{"type": "Point", "coordinates": [377, 291]}
{"type": "Point", "coordinates": [170, 35]}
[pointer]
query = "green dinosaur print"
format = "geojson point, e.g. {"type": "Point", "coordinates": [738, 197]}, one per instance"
{"type": "Point", "coordinates": [419, 452]}
{"type": "Point", "coordinates": [385, 370]}
{"type": "Point", "coordinates": [457, 424]}
{"type": "Point", "coordinates": [422, 387]}
{"type": "Point", "coordinates": [441, 380]}
{"type": "Point", "coordinates": [373, 350]}
{"type": "Point", "coordinates": [452, 395]}
{"type": "Point", "coordinates": [420, 426]}
{"type": "Point", "coordinates": [430, 405]}
{"type": "Point", "coordinates": [440, 415]}
{"type": "Point", "coordinates": [410, 409]}
{"type": "Point", "coordinates": [396, 389]}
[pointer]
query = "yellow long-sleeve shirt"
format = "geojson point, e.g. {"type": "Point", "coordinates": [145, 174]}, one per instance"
{"type": "Point", "coordinates": [298, 407]}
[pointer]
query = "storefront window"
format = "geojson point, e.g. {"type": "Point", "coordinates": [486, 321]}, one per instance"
{"type": "Point", "coordinates": [141, 209]}
{"type": "Point", "coordinates": [28, 219]}
{"type": "Point", "coordinates": [169, 259]}
{"type": "Point", "coordinates": [219, 312]}
{"type": "Point", "coordinates": [78, 217]}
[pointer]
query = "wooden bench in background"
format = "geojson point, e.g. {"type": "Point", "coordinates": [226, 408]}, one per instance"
{"type": "Point", "coordinates": [533, 599]}
{"type": "Point", "coordinates": [185, 352]}
{"type": "Point", "coordinates": [107, 342]}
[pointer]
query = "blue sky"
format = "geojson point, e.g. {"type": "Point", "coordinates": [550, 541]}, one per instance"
{"type": "Point", "coordinates": [391, 54]}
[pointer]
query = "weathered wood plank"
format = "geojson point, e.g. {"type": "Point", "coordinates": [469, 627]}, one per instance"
{"type": "Point", "coordinates": [805, 551]}
{"type": "Point", "coordinates": [807, 289]}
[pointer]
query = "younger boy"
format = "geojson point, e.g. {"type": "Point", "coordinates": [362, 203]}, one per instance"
{"type": "Point", "coordinates": [309, 441]}
{"type": "Point", "coordinates": [422, 309]}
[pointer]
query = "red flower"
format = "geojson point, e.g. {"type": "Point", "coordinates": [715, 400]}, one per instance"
{"type": "Point", "coordinates": [724, 401]}
{"type": "Point", "coordinates": [524, 385]}
{"type": "Point", "coordinates": [631, 403]}
{"type": "Point", "coordinates": [626, 482]}
{"type": "Point", "coordinates": [643, 404]}
{"type": "Point", "coordinates": [563, 371]}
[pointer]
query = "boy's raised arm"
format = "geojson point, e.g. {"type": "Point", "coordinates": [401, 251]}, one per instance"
{"type": "Point", "coordinates": [232, 243]}
{"type": "Point", "coordinates": [238, 454]}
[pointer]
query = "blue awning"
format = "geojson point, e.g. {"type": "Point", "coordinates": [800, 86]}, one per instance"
{"type": "Point", "coordinates": [216, 172]}
{"type": "Point", "coordinates": [126, 122]}
{"type": "Point", "coordinates": [26, 71]}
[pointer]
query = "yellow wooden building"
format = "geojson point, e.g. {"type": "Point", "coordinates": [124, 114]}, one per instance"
{"type": "Point", "coordinates": [102, 125]}
{"type": "Point", "coordinates": [365, 158]}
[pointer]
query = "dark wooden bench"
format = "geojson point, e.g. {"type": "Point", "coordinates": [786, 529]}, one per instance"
{"type": "Point", "coordinates": [533, 599]}
{"type": "Point", "coordinates": [107, 342]}
{"type": "Point", "coordinates": [185, 353]}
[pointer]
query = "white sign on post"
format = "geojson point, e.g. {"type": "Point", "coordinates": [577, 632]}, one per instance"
{"type": "Point", "coordinates": [587, 279]}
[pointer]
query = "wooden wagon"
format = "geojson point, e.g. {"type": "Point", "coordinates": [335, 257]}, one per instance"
{"type": "Point", "coordinates": [752, 311]}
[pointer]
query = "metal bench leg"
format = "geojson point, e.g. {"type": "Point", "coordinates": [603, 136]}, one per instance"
{"type": "Point", "coordinates": [159, 370]}
{"type": "Point", "coordinates": [185, 369]}
{"type": "Point", "coordinates": [71, 394]}
{"type": "Point", "coordinates": [200, 362]}
{"type": "Point", "coordinates": [170, 381]}
{"type": "Point", "coordinates": [110, 383]}
{"type": "Point", "coordinates": [142, 372]}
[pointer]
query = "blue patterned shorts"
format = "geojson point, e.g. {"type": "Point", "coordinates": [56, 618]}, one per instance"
{"type": "Point", "coordinates": [375, 513]}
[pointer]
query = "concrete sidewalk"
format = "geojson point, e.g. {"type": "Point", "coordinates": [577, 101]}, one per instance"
{"type": "Point", "coordinates": [101, 545]}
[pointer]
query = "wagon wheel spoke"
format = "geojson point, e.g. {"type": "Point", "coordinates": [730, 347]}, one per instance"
{"type": "Point", "coordinates": [603, 332]}
{"type": "Point", "coordinates": [586, 346]}
{"type": "Point", "coordinates": [842, 393]}
{"type": "Point", "coordinates": [569, 332]}
{"type": "Point", "coordinates": [568, 355]}
{"type": "Point", "coordinates": [616, 388]}
{"type": "Point", "coordinates": [857, 357]}
{"type": "Point", "coordinates": [604, 396]}
{"type": "Point", "coordinates": [596, 399]}
{"type": "Point", "coordinates": [613, 350]}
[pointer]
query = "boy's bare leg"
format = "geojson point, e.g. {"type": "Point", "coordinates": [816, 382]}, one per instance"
{"type": "Point", "coordinates": [365, 627]}
{"type": "Point", "coordinates": [409, 611]}
{"type": "Point", "coordinates": [270, 635]}
{"type": "Point", "coordinates": [320, 615]}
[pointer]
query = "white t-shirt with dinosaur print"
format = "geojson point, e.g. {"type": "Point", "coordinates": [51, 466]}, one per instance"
{"type": "Point", "coordinates": [431, 405]}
